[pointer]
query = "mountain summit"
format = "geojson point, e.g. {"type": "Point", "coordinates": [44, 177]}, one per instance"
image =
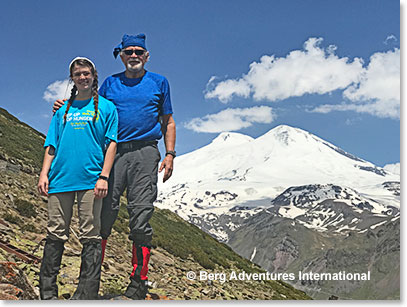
{"type": "Point", "coordinates": [264, 167]}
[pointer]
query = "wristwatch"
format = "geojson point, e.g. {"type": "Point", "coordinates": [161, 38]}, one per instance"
{"type": "Point", "coordinates": [104, 178]}
{"type": "Point", "coordinates": [171, 152]}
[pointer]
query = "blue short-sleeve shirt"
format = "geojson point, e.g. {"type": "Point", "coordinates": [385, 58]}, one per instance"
{"type": "Point", "coordinates": [139, 102]}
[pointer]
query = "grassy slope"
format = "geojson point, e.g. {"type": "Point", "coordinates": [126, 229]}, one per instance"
{"type": "Point", "coordinates": [20, 141]}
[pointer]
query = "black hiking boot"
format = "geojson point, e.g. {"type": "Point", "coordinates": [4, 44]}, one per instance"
{"type": "Point", "coordinates": [137, 289]}
{"type": "Point", "coordinates": [89, 277]}
{"type": "Point", "coordinates": [50, 265]}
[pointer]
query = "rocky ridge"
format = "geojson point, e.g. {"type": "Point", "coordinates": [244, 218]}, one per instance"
{"type": "Point", "coordinates": [285, 242]}
{"type": "Point", "coordinates": [168, 279]}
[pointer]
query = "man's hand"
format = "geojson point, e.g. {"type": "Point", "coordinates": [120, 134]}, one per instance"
{"type": "Point", "coordinates": [168, 165]}
{"type": "Point", "coordinates": [168, 130]}
{"type": "Point", "coordinates": [43, 185]}
{"type": "Point", "coordinates": [58, 104]}
{"type": "Point", "coordinates": [100, 190]}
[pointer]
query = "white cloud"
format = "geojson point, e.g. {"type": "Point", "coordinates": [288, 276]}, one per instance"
{"type": "Point", "coordinates": [378, 91]}
{"type": "Point", "coordinates": [380, 83]}
{"type": "Point", "coordinates": [58, 90]}
{"type": "Point", "coordinates": [373, 89]}
{"type": "Point", "coordinates": [390, 38]}
{"type": "Point", "coordinates": [393, 168]}
{"type": "Point", "coordinates": [226, 89]}
{"type": "Point", "coordinates": [231, 119]}
{"type": "Point", "coordinates": [313, 70]}
{"type": "Point", "coordinates": [377, 109]}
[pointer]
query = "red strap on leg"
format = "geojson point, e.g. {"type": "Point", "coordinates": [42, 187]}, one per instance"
{"type": "Point", "coordinates": [144, 252]}
{"type": "Point", "coordinates": [146, 259]}
{"type": "Point", "coordinates": [104, 242]}
{"type": "Point", "coordinates": [134, 255]}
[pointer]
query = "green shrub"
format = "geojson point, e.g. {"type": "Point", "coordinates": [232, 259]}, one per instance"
{"type": "Point", "coordinates": [29, 227]}
{"type": "Point", "coordinates": [112, 287]}
{"type": "Point", "coordinates": [12, 218]}
{"type": "Point", "coordinates": [203, 259]}
{"type": "Point", "coordinates": [25, 208]}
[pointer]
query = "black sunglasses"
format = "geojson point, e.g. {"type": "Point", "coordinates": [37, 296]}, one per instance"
{"type": "Point", "coordinates": [131, 51]}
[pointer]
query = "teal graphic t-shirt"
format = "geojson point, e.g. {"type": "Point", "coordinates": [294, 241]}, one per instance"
{"type": "Point", "coordinates": [80, 144]}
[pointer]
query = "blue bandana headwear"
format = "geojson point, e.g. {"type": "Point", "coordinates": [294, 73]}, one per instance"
{"type": "Point", "coordinates": [130, 40]}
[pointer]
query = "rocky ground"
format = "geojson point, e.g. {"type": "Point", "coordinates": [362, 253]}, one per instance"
{"type": "Point", "coordinates": [23, 222]}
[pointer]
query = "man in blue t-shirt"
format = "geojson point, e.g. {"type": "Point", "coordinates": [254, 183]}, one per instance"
{"type": "Point", "coordinates": [143, 103]}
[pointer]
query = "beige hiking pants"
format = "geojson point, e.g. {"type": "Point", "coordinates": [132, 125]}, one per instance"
{"type": "Point", "coordinates": [60, 208]}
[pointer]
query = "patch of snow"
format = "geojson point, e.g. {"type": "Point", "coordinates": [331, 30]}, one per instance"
{"type": "Point", "coordinates": [253, 254]}
{"type": "Point", "coordinates": [377, 225]}
{"type": "Point", "coordinates": [291, 212]}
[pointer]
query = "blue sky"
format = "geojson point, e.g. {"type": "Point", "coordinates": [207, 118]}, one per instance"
{"type": "Point", "coordinates": [328, 67]}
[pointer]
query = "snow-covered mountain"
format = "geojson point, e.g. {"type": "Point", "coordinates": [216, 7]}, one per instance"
{"type": "Point", "coordinates": [331, 207]}
{"type": "Point", "coordinates": [235, 176]}
{"type": "Point", "coordinates": [393, 168]}
{"type": "Point", "coordinates": [291, 201]}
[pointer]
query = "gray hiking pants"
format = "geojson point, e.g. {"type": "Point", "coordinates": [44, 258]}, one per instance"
{"type": "Point", "coordinates": [135, 168]}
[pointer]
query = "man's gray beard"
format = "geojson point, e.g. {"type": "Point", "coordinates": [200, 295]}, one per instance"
{"type": "Point", "coordinates": [137, 70]}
